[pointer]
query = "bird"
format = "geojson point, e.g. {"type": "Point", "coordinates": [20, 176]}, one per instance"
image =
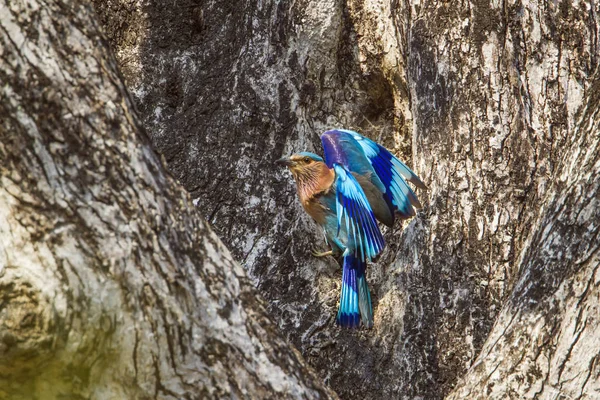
{"type": "Point", "coordinates": [356, 184]}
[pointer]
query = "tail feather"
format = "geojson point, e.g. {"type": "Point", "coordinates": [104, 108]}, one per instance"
{"type": "Point", "coordinates": [355, 301]}
{"type": "Point", "coordinates": [364, 302]}
{"type": "Point", "coordinates": [348, 312]}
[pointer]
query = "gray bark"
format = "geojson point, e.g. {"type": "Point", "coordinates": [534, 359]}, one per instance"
{"type": "Point", "coordinates": [497, 101]}
{"type": "Point", "coordinates": [111, 285]}
{"type": "Point", "coordinates": [482, 97]}
{"type": "Point", "coordinates": [545, 342]}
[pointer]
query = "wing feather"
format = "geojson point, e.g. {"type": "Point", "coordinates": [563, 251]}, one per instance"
{"type": "Point", "coordinates": [354, 212]}
{"type": "Point", "coordinates": [393, 174]}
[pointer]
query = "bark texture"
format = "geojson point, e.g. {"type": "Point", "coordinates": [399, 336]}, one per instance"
{"type": "Point", "coordinates": [481, 96]}
{"type": "Point", "coordinates": [545, 342]}
{"type": "Point", "coordinates": [504, 135]}
{"type": "Point", "coordinates": [111, 284]}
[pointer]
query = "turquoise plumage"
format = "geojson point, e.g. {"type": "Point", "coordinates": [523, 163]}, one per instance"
{"type": "Point", "coordinates": [357, 183]}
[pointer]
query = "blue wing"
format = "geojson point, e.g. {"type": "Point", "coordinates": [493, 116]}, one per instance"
{"type": "Point", "coordinates": [342, 146]}
{"type": "Point", "coordinates": [355, 220]}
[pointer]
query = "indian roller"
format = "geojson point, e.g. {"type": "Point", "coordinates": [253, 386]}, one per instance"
{"type": "Point", "coordinates": [358, 182]}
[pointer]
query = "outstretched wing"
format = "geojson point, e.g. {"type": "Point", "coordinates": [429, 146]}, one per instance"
{"type": "Point", "coordinates": [355, 219]}
{"type": "Point", "coordinates": [341, 148]}
{"type": "Point", "coordinates": [392, 172]}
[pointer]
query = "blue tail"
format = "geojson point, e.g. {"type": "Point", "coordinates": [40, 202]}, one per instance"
{"type": "Point", "coordinates": [355, 302]}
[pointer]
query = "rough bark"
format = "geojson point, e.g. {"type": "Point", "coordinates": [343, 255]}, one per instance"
{"type": "Point", "coordinates": [111, 285]}
{"type": "Point", "coordinates": [482, 96]}
{"type": "Point", "coordinates": [496, 89]}
{"type": "Point", "coordinates": [545, 342]}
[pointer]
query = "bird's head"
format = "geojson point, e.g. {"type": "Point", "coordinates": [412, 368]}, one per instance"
{"type": "Point", "coordinates": [302, 164]}
{"type": "Point", "coordinates": [300, 161]}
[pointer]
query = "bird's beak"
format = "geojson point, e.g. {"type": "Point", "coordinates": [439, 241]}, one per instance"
{"type": "Point", "coordinates": [284, 161]}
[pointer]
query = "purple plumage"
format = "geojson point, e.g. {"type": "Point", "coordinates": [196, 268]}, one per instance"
{"type": "Point", "coordinates": [333, 148]}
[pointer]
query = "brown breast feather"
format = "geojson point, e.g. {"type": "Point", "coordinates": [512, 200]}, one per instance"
{"type": "Point", "coordinates": [310, 191]}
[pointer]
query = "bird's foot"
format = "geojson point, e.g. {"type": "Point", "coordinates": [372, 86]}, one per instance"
{"type": "Point", "coordinates": [317, 253]}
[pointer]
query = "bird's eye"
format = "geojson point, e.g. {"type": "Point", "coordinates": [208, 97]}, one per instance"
{"type": "Point", "coordinates": [307, 159]}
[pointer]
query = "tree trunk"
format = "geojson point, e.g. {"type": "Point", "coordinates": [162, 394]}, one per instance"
{"type": "Point", "coordinates": [483, 96]}
{"type": "Point", "coordinates": [496, 91]}
{"type": "Point", "coordinates": [111, 285]}
{"type": "Point", "coordinates": [545, 342]}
